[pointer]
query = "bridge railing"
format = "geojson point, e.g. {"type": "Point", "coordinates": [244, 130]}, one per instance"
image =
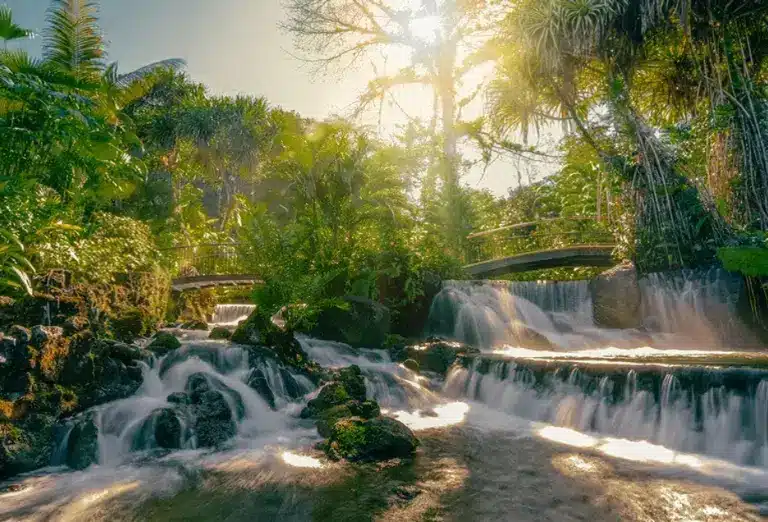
{"type": "Point", "coordinates": [546, 234]}
{"type": "Point", "coordinates": [204, 259]}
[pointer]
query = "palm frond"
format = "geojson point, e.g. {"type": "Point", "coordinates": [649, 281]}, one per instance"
{"type": "Point", "coordinates": [172, 64]}
{"type": "Point", "coordinates": [8, 29]}
{"type": "Point", "coordinates": [73, 41]}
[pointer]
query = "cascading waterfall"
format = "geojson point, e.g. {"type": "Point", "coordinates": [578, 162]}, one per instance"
{"type": "Point", "coordinates": [231, 314]}
{"type": "Point", "coordinates": [390, 384]}
{"type": "Point", "coordinates": [699, 307]}
{"type": "Point", "coordinates": [684, 309]}
{"type": "Point", "coordinates": [253, 392]}
{"type": "Point", "coordinates": [720, 413]}
{"type": "Point", "coordinates": [552, 364]}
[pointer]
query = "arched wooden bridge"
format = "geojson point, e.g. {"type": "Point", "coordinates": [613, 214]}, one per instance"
{"type": "Point", "coordinates": [548, 243]}
{"type": "Point", "coordinates": [207, 265]}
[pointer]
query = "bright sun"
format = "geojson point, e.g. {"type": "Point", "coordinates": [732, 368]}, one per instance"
{"type": "Point", "coordinates": [426, 29]}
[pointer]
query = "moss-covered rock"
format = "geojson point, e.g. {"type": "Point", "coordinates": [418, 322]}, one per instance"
{"type": "Point", "coordinates": [220, 333]}
{"type": "Point", "coordinates": [129, 324]}
{"type": "Point", "coordinates": [163, 342]}
{"type": "Point", "coordinates": [381, 438]}
{"type": "Point", "coordinates": [260, 332]}
{"type": "Point", "coordinates": [195, 325]}
{"type": "Point", "coordinates": [167, 429]}
{"type": "Point", "coordinates": [53, 350]}
{"type": "Point", "coordinates": [436, 355]}
{"type": "Point", "coordinates": [214, 424]}
{"type": "Point", "coordinates": [361, 323]}
{"type": "Point", "coordinates": [82, 444]}
{"type": "Point", "coordinates": [412, 365]}
{"type": "Point", "coordinates": [352, 379]}
{"type": "Point", "coordinates": [25, 445]}
{"type": "Point", "coordinates": [332, 394]}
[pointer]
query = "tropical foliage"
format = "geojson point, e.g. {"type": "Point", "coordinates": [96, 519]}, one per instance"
{"type": "Point", "coordinates": [662, 106]}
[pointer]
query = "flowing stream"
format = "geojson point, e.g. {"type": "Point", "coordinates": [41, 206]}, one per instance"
{"type": "Point", "coordinates": [674, 386]}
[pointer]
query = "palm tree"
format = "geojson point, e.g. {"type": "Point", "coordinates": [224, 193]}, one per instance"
{"type": "Point", "coordinates": [8, 29]}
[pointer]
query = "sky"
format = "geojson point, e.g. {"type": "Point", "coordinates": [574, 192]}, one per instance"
{"type": "Point", "coordinates": [236, 47]}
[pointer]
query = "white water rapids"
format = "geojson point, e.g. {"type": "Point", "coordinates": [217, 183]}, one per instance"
{"type": "Point", "coordinates": [584, 390]}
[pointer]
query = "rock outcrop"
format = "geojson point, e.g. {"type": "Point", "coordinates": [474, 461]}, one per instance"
{"type": "Point", "coordinates": [362, 323]}
{"type": "Point", "coordinates": [616, 297]}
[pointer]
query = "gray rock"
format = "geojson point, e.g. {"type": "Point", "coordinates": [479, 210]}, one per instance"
{"type": "Point", "coordinates": [616, 297]}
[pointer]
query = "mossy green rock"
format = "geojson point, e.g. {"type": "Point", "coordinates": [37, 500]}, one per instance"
{"type": "Point", "coordinates": [129, 325]}
{"type": "Point", "coordinates": [163, 342]}
{"type": "Point", "coordinates": [82, 445]}
{"type": "Point", "coordinates": [259, 331]}
{"type": "Point", "coordinates": [436, 355]}
{"type": "Point", "coordinates": [412, 365]}
{"type": "Point", "coordinates": [332, 394]}
{"type": "Point", "coordinates": [381, 438]}
{"type": "Point", "coordinates": [195, 325]}
{"type": "Point", "coordinates": [361, 323]}
{"type": "Point", "coordinates": [328, 419]}
{"type": "Point", "coordinates": [167, 429]}
{"type": "Point", "coordinates": [25, 445]}
{"type": "Point", "coordinates": [352, 379]}
{"type": "Point", "coordinates": [220, 333]}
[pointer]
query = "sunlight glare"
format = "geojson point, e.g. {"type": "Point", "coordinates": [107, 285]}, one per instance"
{"type": "Point", "coordinates": [568, 436]}
{"type": "Point", "coordinates": [301, 461]}
{"type": "Point", "coordinates": [643, 451]}
{"type": "Point", "coordinates": [426, 29]}
{"type": "Point", "coordinates": [443, 416]}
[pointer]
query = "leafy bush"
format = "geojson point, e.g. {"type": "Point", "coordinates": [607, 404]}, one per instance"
{"type": "Point", "coordinates": [109, 245]}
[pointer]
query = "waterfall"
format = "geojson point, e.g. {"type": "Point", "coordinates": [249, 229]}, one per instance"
{"type": "Point", "coordinates": [683, 309]}
{"type": "Point", "coordinates": [231, 314]}
{"type": "Point", "coordinates": [719, 413]}
{"type": "Point", "coordinates": [254, 391]}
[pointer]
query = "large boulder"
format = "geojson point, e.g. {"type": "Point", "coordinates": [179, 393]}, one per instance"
{"type": "Point", "coordinates": [25, 445]}
{"type": "Point", "coordinates": [349, 386]}
{"type": "Point", "coordinates": [380, 438]}
{"type": "Point", "coordinates": [214, 421]}
{"type": "Point", "coordinates": [260, 332]}
{"type": "Point", "coordinates": [616, 297]}
{"type": "Point", "coordinates": [168, 429]}
{"type": "Point", "coordinates": [163, 343]}
{"type": "Point", "coordinates": [129, 324]}
{"type": "Point", "coordinates": [214, 424]}
{"type": "Point", "coordinates": [361, 323]}
{"type": "Point", "coordinates": [433, 355]}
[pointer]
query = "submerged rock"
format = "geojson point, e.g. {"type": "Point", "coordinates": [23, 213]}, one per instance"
{"type": "Point", "coordinates": [412, 365]}
{"type": "Point", "coordinates": [380, 438]}
{"type": "Point", "coordinates": [163, 342]}
{"type": "Point", "coordinates": [219, 332]}
{"type": "Point", "coordinates": [259, 383]}
{"type": "Point", "coordinates": [616, 297]}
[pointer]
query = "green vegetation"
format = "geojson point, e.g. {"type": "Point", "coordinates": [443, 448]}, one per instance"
{"type": "Point", "coordinates": [663, 108]}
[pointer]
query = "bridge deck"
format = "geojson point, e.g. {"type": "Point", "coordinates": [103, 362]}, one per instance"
{"type": "Point", "coordinates": [206, 281]}
{"type": "Point", "coordinates": [584, 255]}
